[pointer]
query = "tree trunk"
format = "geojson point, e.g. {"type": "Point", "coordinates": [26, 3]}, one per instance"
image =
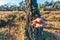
{"type": "Point", "coordinates": [33, 33]}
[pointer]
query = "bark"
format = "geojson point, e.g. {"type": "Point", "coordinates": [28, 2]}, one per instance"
{"type": "Point", "coordinates": [33, 33]}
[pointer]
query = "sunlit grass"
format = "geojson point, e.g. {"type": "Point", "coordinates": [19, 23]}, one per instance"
{"type": "Point", "coordinates": [21, 26]}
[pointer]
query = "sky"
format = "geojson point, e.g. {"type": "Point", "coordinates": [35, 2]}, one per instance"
{"type": "Point", "coordinates": [2, 2]}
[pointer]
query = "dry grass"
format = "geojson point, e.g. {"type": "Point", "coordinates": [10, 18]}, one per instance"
{"type": "Point", "coordinates": [16, 29]}
{"type": "Point", "coordinates": [18, 24]}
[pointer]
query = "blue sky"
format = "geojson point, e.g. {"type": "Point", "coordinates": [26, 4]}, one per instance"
{"type": "Point", "coordinates": [2, 2]}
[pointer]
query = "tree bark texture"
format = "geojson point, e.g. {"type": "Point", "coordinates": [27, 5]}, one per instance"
{"type": "Point", "coordinates": [32, 32]}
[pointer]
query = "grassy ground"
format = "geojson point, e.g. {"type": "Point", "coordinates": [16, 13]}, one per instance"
{"type": "Point", "coordinates": [52, 18]}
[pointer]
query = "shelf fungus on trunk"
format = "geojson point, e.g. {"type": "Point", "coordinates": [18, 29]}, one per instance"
{"type": "Point", "coordinates": [37, 23]}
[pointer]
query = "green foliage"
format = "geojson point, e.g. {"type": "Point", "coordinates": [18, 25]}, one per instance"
{"type": "Point", "coordinates": [1, 35]}
{"type": "Point", "coordinates": [9, 7]}
{"type": "Point", "coordinates": [45, 36]}
{"type": "Point", "coordinates": [46, 4]}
